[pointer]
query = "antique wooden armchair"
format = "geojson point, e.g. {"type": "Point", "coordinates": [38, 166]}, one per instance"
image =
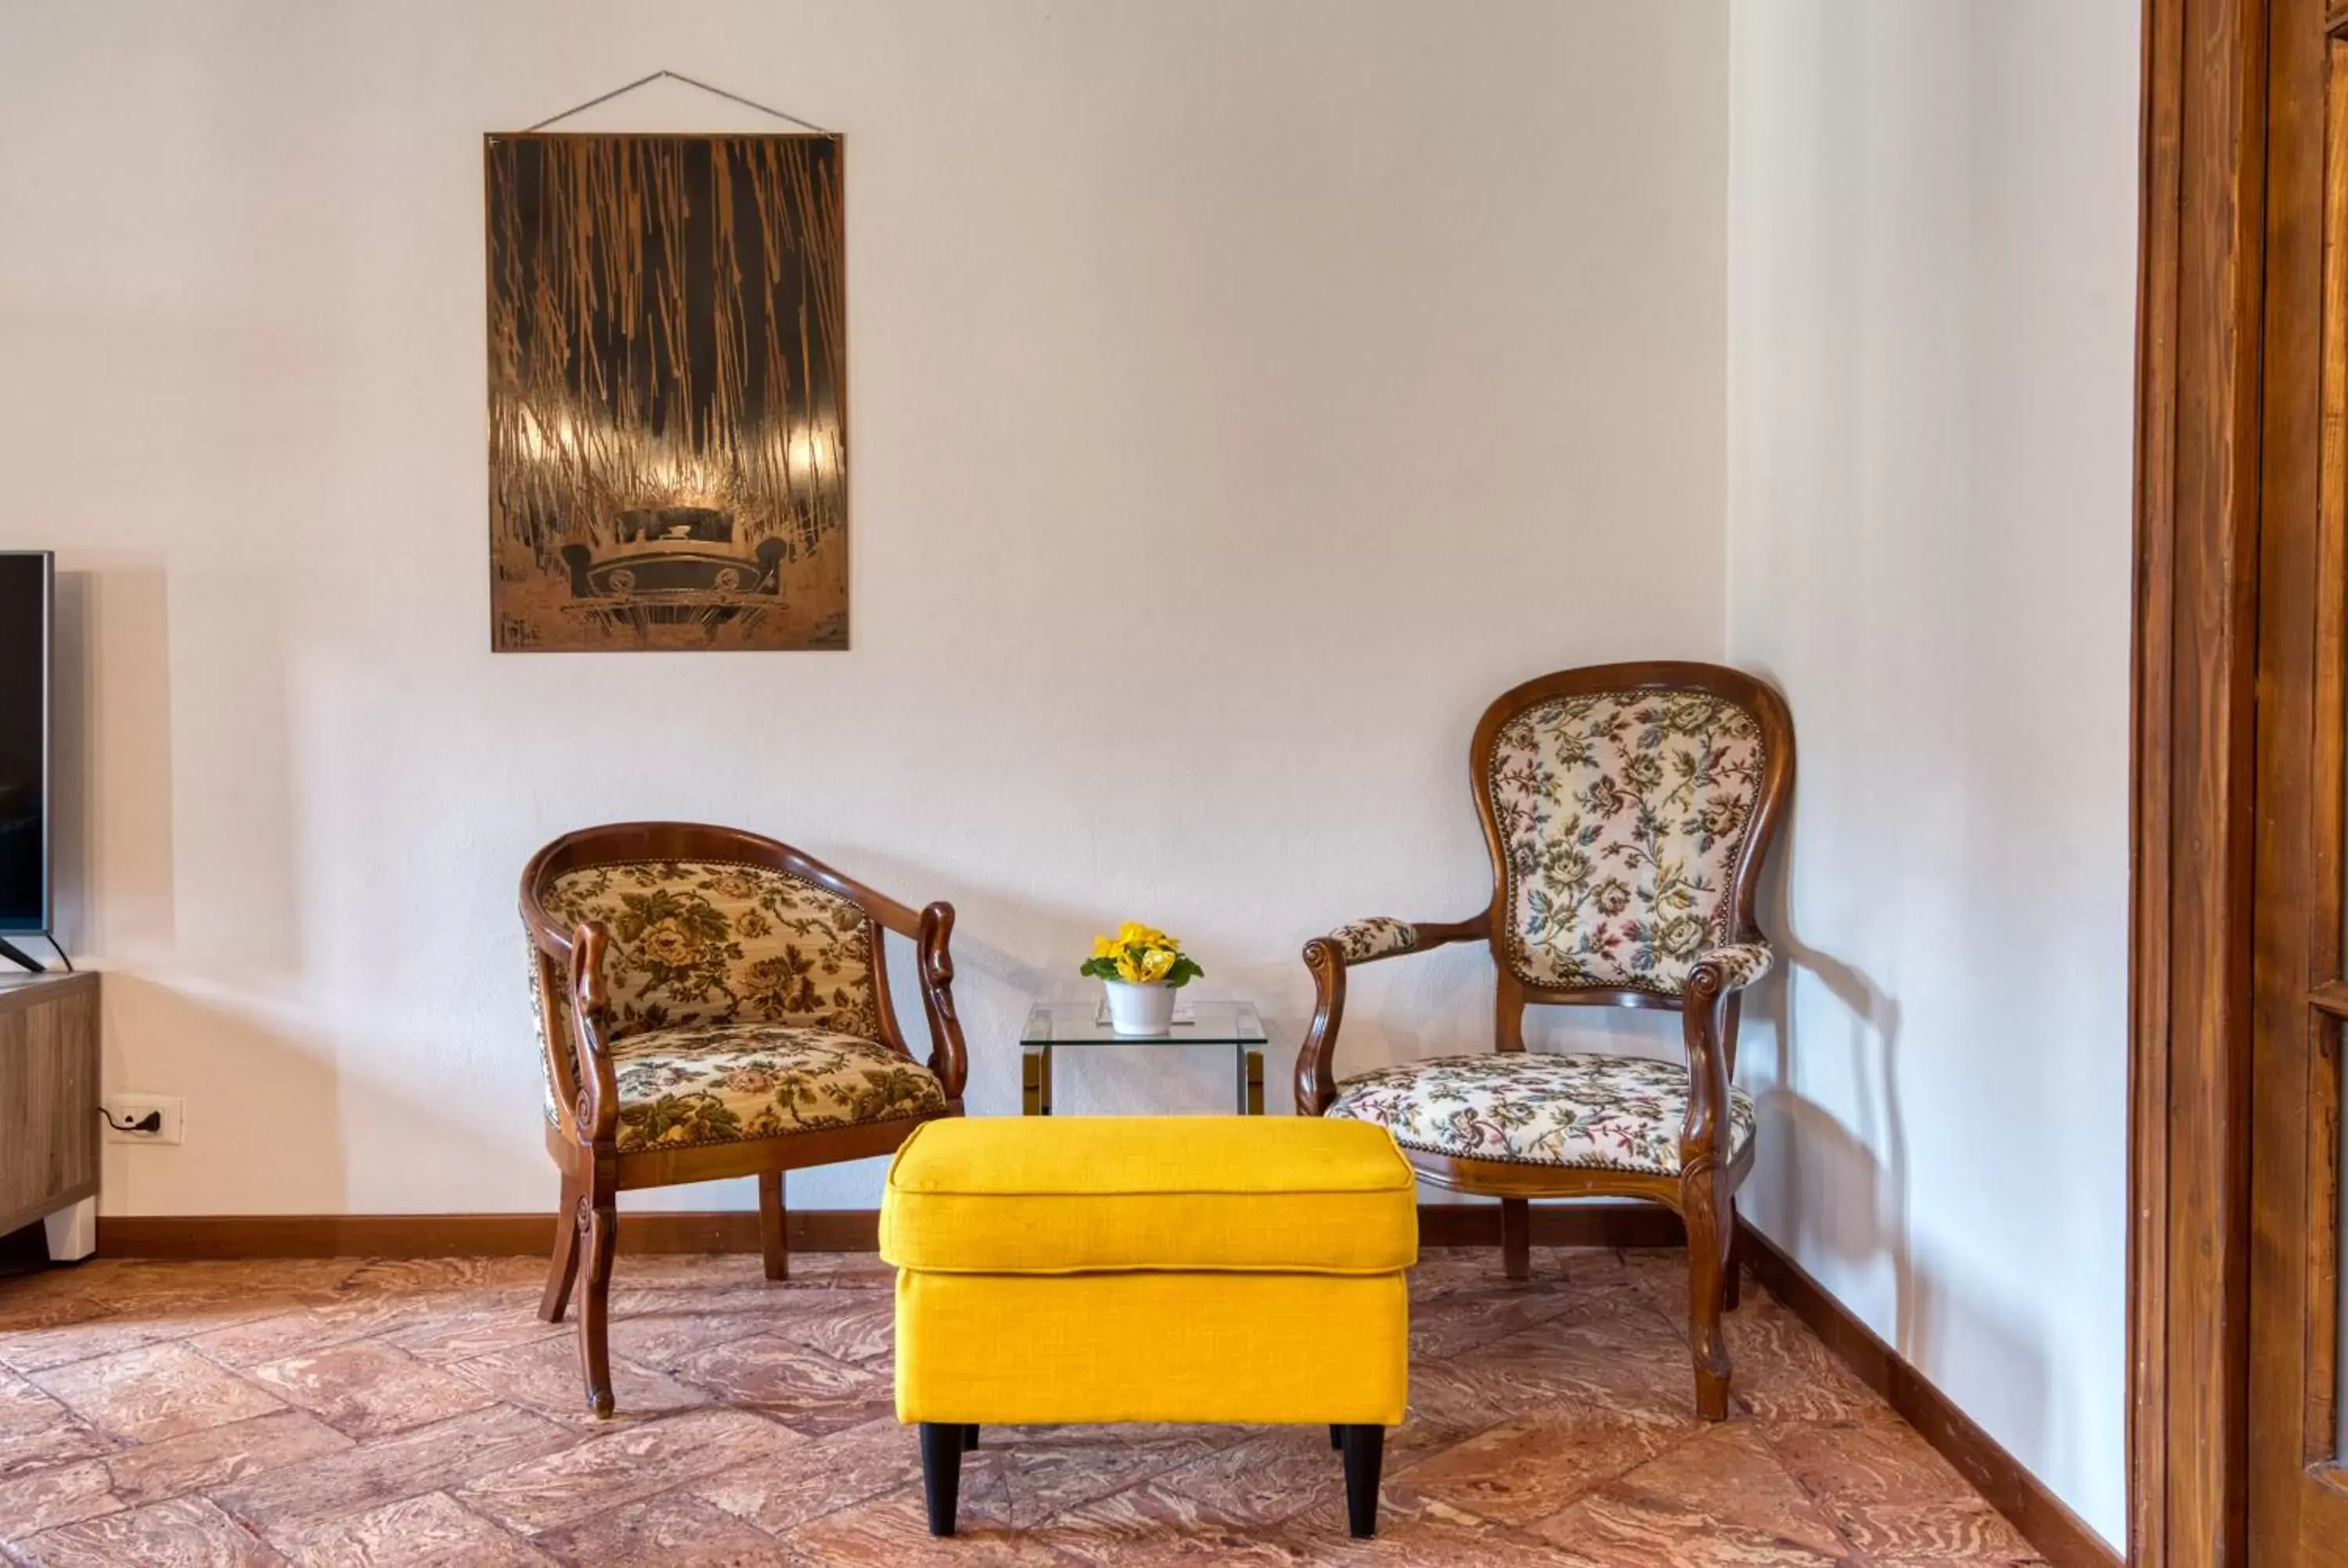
{"type": "Point", "coordinates": [1628, 809]}
{"type": "Point", "coordinates": [711, 1004]}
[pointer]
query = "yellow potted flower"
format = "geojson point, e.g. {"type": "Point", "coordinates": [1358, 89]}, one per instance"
{"type": "Point", "coordinates": [1141, 968]}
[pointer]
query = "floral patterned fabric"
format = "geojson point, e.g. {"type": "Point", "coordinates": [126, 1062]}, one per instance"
{"type": "Point", "coordinates": [1619, 814]}
{"type": "Point", "coordinates": [718, 942]}
{"type": "Point", "coordinates": [717, 1084]}
{"type": "Point", "coordinates": [1741, 962]}
{"type": "Point", "coordinates": [1375, 937]}
{"type": "Point", "coordinates": [1532, 1108]}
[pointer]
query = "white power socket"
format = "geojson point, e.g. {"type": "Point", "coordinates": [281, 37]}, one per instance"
{"type": "Point", "coordinates": [127, 1110]}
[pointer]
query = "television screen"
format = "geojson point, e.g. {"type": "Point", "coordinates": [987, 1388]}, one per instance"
{"type": "Point", "coordinates": [24, 602]}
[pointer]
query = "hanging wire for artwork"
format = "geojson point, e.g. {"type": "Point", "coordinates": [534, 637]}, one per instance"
{"type": "Point", "coordinates": [690, 82]}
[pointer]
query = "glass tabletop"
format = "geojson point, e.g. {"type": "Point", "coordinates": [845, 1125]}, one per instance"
{"type": "Point", "coordinates": [1195, 1023]}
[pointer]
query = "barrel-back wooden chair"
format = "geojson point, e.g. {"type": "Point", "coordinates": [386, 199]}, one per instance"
{"type": "Point", "coordinates": [712, 1004]}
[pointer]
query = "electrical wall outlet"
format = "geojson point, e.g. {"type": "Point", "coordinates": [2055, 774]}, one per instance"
{"type": "Point", "coordinates": [124, 1111]}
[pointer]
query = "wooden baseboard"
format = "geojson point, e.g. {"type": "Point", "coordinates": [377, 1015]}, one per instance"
{"type": "Point", "coordinates": [729, 1230]}
{"type": "Point", "coordinates": [462, 1235]}
{"type": "Point", "coordinates": [2061, 1536]}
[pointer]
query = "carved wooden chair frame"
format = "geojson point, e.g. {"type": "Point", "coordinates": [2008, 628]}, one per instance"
{"type": "Point", "coordinates": [1705, 1192]}
{"type": "Point", "coordinates": [583, 1139]}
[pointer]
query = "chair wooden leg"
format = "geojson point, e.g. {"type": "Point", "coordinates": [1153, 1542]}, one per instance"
{"type": "Point", "coordinates": [599, 1223]}
{"type": "Point", "coordinates": [969, 1439]}
{"type": "Point", "coordinates": [1702, 1206]}
{"type": "Point", "coordinates": [941, 1472]}
{"type": "Point", "coordinates": [1516, 1238]}
{"type": "Point", "coordinates": [564, 1270]}
{"type": "Point", "coordinates": [1364, 1451]}
{"type": "Point", "coordinates": [774, 1241]}
{"type": "Point", "coordinates": [1336, 1439]}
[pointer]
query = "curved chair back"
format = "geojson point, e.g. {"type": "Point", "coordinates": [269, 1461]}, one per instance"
{"type": "Point", "coordinates": [1628, 809]}
{"type": "Point", "coordinates": [711, 926]}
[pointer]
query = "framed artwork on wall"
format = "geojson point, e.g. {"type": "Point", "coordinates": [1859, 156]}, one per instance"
{"type": "Point", "coordinates": [668, 455]}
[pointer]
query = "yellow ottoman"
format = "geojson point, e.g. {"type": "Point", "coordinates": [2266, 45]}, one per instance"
{"type": "Point", "coordinates": [1166, 1269]}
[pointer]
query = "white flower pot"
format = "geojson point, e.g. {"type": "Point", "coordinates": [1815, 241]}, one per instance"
{"type": "Point", "coordinates": [1140, 1009]}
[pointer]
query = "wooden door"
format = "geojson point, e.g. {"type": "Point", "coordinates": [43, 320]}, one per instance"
{"type": "Point", "coordinates": [2294, 1442]}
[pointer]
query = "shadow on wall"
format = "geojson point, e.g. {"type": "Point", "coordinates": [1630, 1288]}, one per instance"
{"type": "Point", "coordinates": [1846, 1202]}
{"type": "Point", "coordinates": [70, 808]}
{"type": "Point", "coordinates": [261, 1096]}
{"type": "Point", "coordinates": [117, 893]}
{"type": "Point", "coordinates": [254, 1091]}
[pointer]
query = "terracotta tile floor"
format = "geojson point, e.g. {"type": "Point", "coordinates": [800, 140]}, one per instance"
{"type": "Point", "coordinates": [386, 1412]}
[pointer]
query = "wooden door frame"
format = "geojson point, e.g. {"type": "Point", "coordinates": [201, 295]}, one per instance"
{"type": "Point", "coordinates": [2201, 335]}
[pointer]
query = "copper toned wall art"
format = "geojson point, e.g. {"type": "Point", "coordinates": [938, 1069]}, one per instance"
{"type": "Point", "coordinates": [667, 393]}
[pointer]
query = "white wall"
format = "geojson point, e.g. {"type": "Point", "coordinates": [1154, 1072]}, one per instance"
{"type": "Point", "coordinates": [1318, 359]}
{"type": "Point", "coordinates": [1932, 232]}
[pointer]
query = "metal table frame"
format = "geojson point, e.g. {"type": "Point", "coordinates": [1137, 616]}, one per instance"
{"type": "Point", "coordinates": [1235, 1024]}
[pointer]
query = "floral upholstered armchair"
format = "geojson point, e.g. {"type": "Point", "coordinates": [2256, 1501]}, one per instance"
{"type": "Point", "coordinates": [715, 1004]}
{"type": "Point", "coordinates": [1628, 809]}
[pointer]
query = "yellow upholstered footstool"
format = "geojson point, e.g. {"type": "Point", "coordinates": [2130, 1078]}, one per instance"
{"type": "Point", "coordinates": [1175, 1268]}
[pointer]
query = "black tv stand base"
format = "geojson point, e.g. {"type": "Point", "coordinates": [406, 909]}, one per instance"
{"type": "Point", "coordinates": [16, 955]}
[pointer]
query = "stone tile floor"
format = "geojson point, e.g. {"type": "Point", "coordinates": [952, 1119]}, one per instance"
{"type": "Point", "coordinates": [394, 1413]}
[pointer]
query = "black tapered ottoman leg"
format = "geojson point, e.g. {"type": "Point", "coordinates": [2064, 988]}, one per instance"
{"type": "Point", "coordinates": [941, 1472]}
{"type": "Point", "coordinates": [1365, 1449]}
{"type": "Point", "coordinates": [969, 1439]}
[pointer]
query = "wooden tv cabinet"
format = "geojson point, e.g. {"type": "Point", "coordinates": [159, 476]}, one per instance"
{"type": "Point", "coordinates": [49, 1107]}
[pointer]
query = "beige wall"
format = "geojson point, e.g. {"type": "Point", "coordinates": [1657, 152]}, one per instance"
{"type": "Point", "coordinates": [1933, 267]}
{"type": "Point", "coordinates": [1331, 365]}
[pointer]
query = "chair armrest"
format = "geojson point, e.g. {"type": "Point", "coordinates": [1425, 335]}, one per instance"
{"type": "Point", "coordinates": [1708, 1024]}
{"type": "Point", "coordinates": [1384, 937]}
{"type": "Point", "coordinates": [1738, 964]}
{"type": "Point", "coordinates": [598, 1111]}
{"type": "Point", "coordinates": [929, 928]}
{"type": "Point", "coordinates": [1329, 956]}
{"type": "Point", "coordinates": [1379, 936]}
{"type": "Point", "coordinates": [948, 1060]}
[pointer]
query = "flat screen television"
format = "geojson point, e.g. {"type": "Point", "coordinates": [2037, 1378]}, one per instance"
{"type": "Point", "coordinates": [27, 602]}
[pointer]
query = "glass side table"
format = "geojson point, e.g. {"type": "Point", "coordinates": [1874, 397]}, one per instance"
{"type": "Point", "coordinates": [1056, 1024]}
